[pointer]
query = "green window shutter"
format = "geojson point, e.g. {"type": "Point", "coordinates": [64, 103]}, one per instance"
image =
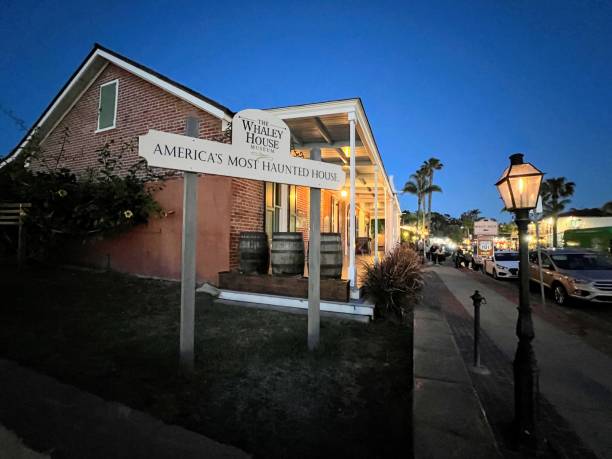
{"type": "Point", "coordinates": [108, 102]}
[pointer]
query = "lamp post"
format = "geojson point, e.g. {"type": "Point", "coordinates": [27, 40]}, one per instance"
{"type": "Point", "coordinates": [519, 187]}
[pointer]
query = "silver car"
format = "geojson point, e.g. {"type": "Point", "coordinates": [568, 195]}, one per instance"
{"type": "Point", "coordinates": [574, 273]}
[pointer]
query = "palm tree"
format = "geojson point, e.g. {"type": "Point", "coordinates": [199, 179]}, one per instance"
{"type": "Point", "coordinates": [419, 186]}
{"type": "Point", "coordinates": [430, 166]}
{"type": "Point", "coordinates": [468, 218]}
{"type": "Point", "coordinates": [555, 196]}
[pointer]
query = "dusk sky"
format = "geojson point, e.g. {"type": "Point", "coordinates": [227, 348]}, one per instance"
{"type": "Point", "coordinates": [467, 82]}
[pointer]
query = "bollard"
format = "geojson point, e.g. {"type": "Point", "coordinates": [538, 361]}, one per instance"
{"type": "Point", "coordinates": [477, 300]}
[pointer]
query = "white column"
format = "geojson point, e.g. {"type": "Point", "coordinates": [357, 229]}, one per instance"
{"type": "Point", "coordinates": [351, 270]}
{"type": "Point", "coordinates": [386, 215]}
{"type": "Point", "coordinates": [376, 214]}
{"type": "Point", "coordinates": [399, 224]}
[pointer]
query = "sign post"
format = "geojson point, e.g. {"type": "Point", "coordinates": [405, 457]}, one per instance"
{"type": "Point", "coordinates": [260, 150]}
{"type": "Point", "coordinates": [314, 262]}
{"type": "Point", "coordinates": [188, 260]}
{"type": "Point", "coordinates": [537, 217]}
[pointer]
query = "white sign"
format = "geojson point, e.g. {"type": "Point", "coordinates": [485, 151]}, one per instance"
{"type": "Point", "coordinates": [485, 227]}
{"type": "Point", "coordinates": [260, 150]}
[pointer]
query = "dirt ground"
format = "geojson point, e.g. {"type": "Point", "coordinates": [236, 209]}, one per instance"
{"type": "Point", "coordinates": [255, 386]}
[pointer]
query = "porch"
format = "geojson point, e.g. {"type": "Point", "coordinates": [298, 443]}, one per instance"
{"type": "Point", "coordinates": [366, 210]}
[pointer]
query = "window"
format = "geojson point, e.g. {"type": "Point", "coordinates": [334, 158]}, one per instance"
{"type": "Point", "coordinates": [292, 207]}
{"type": "Point", "coordinates": [273, 203]}
{"type": "Point", "coordinates": [107, 105]}
{"type": "Point", "coordinates": [275, 207]}
{"type": "Point", "coordinates": [506, 256]}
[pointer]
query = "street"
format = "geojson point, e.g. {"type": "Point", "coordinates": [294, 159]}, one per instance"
{"type": "Point", "coordinates": [573, 346]}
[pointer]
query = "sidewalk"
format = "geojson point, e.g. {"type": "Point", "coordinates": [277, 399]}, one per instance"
{"type": "Point", "coordinates": [63, 421]}
{"type": "Point", "coordinates": [576, 404]}
{"type": "Point", "coordinates": [448, 419]}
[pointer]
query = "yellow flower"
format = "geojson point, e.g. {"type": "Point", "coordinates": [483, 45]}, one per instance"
{"type": "Point", "coordinates": [128, 214]}
{"type": "Point", "coordinates": [62, 193]}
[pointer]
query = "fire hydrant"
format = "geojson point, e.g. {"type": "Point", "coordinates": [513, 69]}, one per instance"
{"type": "Point", "coordinates": [477, 300]}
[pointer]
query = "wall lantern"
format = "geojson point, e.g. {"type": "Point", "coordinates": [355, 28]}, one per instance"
{"type": "Point", "coordinates": [519, 185]}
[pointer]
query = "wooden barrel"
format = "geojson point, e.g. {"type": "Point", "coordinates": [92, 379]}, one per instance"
{"type": "Point", "coordinates": [331, 255]}
{"type": "Point", "coordinates": [287, 254]}
{"type": "Point", "coordinates": [254, 252]}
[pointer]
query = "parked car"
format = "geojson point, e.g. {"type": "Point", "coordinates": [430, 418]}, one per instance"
{"type": "Point", "coordinates": [574, 273]}
{"type": "Point", "coordinates": [504, 264]}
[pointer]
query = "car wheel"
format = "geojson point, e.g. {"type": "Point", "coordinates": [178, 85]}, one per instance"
{"type": "Point", "coordinates": [559, 294]}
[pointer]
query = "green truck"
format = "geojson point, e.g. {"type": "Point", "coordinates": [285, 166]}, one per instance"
{"type": "Point", "coordinates": [599, 239]}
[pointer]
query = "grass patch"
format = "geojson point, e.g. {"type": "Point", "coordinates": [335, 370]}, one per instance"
{"type": "Point", "coordinates": [255, 386]}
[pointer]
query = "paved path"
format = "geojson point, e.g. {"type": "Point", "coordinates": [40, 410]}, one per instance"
{"type": "Point", "coordinates": [12, 447]}
{"type": "Point", "coordinates": [575, 377]}
{"type": "Point", "coordinates": [66, 422]}
{"type": "Point", "coordinates": [448, 419]}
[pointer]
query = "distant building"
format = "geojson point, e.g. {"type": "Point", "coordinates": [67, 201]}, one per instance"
{"type": "Point", "coordinates": [572, 219]}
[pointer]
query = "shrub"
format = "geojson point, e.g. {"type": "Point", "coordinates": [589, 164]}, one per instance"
{"type": "Point", "coordinates": [395, 282]}
{"type": "Point", "coordinates": [106, 200]}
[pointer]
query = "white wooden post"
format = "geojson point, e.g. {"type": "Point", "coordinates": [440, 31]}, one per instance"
{"type": "Point", "coordinates": [351, 273]}
{"type": "Point", "coordinates": [385, 212]}
{"type": "Point", "coordinates": [314, 262]}
{"type": "Point", "coordinates": [376, 214]}
{"type": "Point", "coordinates": [188, 255]}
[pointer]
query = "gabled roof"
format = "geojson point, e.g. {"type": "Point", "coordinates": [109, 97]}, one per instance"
{"type": "Point", "coordinates": [84, 76]}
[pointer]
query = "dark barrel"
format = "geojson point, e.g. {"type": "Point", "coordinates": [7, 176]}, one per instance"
{"type": "Point", "coordinates": [254, 252]}
{"type": "Point", "coordinates": [331, 255]}
{"type": "Point", "coordinates": [287, 254]}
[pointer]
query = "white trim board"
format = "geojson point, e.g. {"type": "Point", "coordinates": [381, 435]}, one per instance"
{"type": "Point", "coordinates": [300, 303]}
{"type": "Point", "coordinates": [180, 93]}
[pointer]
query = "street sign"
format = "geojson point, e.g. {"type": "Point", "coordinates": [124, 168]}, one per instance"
{"type": "Point", "coordinates": [485, 248]}
{"type": "Point", "coordinates": [260, 150]}
{"type": "Point", "coordinates": [485, 227]}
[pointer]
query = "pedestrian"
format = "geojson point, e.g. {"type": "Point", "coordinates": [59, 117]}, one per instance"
{"type": "Point", "coordinates": [432, 253]}
{"type": "Point", "coordinates": [439, 255]}
{"type": "Point", "coordinates": [458, 257]}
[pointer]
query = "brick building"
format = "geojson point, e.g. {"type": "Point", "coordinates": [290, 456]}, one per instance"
{"type": "Point", "coordinates": [112, 99]}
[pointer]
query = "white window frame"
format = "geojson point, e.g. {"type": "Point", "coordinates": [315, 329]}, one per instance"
{"type": "Point", "coordinates": [116, 82]}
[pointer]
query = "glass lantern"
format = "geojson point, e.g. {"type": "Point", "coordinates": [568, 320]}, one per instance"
{"type": "Point", "coordinates": [519, 185]}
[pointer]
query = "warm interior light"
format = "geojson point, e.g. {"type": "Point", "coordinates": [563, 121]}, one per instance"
{"type": "Point", "coordinates": [343, 193]}
{"type": "Point", "coordinates": [347, 151]}
{"type": "Point", "coordinates": [521, 185]}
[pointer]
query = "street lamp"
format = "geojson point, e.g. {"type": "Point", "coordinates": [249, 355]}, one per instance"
{"type": "Point", "coordinates": [519, 187]}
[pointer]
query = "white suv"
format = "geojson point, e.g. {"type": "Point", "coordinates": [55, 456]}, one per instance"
{"type": "Point", "coordinates": [503, 265]}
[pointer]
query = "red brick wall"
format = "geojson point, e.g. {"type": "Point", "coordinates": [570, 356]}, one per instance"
{"type": "Point", "coordinates": [226, 205]}
{"type": "Point", "coordinates": [140, 106]}
{"type": "Point", "coordinates": [247, 212]}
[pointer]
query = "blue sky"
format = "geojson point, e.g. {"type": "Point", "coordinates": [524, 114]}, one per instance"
{"type": "Point", "coordinates": [468, 82]}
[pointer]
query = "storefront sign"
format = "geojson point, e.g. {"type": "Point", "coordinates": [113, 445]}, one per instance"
{"type": "Point", "coordinates": [260, 150]}
{"type": "Point", "coordinates": [485, 227]}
